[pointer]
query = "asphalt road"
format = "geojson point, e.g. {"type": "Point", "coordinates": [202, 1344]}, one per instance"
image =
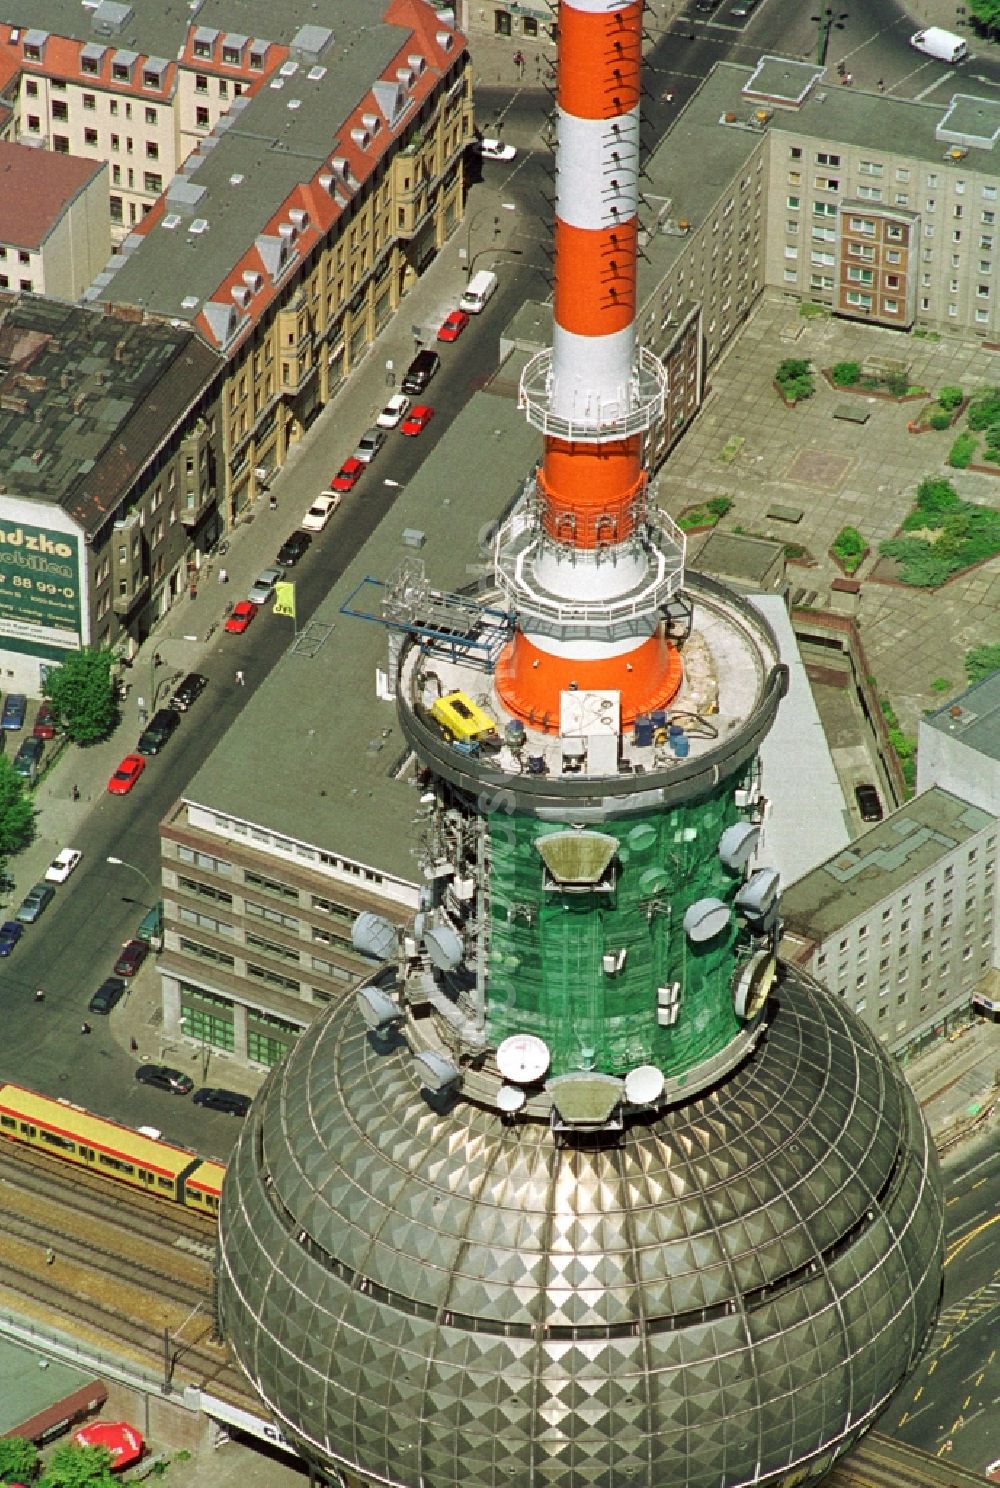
{"type": "Point", "coordinates": [949, 1405]}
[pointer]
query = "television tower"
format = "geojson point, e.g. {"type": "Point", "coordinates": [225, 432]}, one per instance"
{"type": "Point", "coordinates": [584, 1188]}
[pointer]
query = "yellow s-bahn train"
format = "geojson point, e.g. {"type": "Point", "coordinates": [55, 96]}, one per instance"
{"type": "Point", "coordinates": [72, 1134]}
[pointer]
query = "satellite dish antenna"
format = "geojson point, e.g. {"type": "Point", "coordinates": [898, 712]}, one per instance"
{"type": "Point", "coordinates": [373, 935]}
{"type": "Point", "coordinates": [436, 1072]}
{"type": "Point", "coordinates": [444, 947]}
{"type": "Point", "coordinates": [644, 1085]}
{"type": "Point", "coordinates": [523, 1058]}
{"type": "Point", "coordinates": [738, 844]}
{"type": "Point", "coordinates": [705, 919]}
{"type": "Point", "coordinates": [377, 1007]}
{"type": "Point", "coordinates": [510, 1099]}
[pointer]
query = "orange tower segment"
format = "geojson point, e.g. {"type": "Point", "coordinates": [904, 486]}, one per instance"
{"type": "Point", "coordinates": [586, 564]}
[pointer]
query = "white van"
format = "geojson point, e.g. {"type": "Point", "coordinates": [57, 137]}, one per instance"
{"type": "Point", "coordinates": [478, 292]}
{"type": "Point", "coordinates": [944, 45]}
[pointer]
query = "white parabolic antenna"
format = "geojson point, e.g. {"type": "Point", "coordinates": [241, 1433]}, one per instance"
{"type": "Point", "coordinates": [643, 1085]}
{"type": "Point", "coordinates": [510, 1099]}
{"type": "Point", "coordinates": [523, 1058]}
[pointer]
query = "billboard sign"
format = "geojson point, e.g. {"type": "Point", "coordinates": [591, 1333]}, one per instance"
{"type": "Point", "coordinates": [40, 586]}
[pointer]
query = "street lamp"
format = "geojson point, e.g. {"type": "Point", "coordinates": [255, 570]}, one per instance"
{"type": "Point", "coordinates": [497, 251]}
{"type": "Point", "coordinates": [827, 21]}
{"type": "Point", "coordinates": [121, 863]}
{"type": "Point", "coordinates": [506, 207]}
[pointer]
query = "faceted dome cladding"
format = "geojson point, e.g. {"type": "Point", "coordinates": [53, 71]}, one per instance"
{"type": "Point", "coordinates": [715, 1295]}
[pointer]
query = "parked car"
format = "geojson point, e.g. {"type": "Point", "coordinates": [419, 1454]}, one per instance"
{"type": "Point", "coordinates": [494, 149]}
{"type": "Point", "coordinates": [62, 865]}
{"type": "Point", "coordinates": [420, 371]}
{"type": "Point", "coordinates": [157, 731]}
{"type": "Point", "coordinates": [293, 548]}
{"type": "Point", "coordinates": [10, 934]}
{"type": "Point", "coordinates": [133, 953]}
{"type": "Point", "coordinates": [164, 1078]}
{"type": "Point", "coordinates": [28, 758]}
{"type": "Point", "coordinates": [262, 589]}
{"type": "Point", "coordinates": [240, 619]}
{"type": "Point", "coordinates": [868, 801]}
{"type": "Point", "coordinates": [108, 993]}
{"type": "Point", "coordinates": [369, 445]}
{"type": "Point", "coordinates": [347, 477]}
{"type": "Point", "coordinates": [417, 419]}
{"type": "Point", "coordinates": [322, 510]}
{"type": "Point", "coordinates": [126, 775]}
{"type": "Point", "coordinates": [745, 8]}
{"type": "Point", "coordinates": [34, 903]}
{"type": "Point", "coordinates": [230, 1101]}
{"type": "Point", "coordinates": [188, 691]}
{"type": "Point", "coordinates": [45, 721]}
{"type": "Point", "coordinates": [14, 710]}
{"type": "Point", "coordinates": [396, 408]}
{"type": "Point", "coordinates": [453, 325]}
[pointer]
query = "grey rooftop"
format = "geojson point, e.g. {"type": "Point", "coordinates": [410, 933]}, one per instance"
{"type": "Point", "coordinates": [314, 753]}
{"type": "Point", "coordinates": [908, 843]}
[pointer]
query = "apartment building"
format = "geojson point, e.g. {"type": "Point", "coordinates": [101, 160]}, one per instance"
{"type": "Point", "coordinates": [95, 546]}
{"type": "Point", "coordinates": [527, 25]}
{"type": "Point", "coordinates": [53, 222]}
{"type": "Point", "coordinates": [91, 91]}
{"type": "Point", "coordinates": [297, 226]}
{"type": "Point", "coordinates": [901, 924]}
{"type": "Point", "coordinates": [883, 209]}
{"type": "Point", "coordinates": [310, 813]}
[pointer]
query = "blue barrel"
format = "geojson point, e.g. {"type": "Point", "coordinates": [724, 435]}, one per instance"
{"type": "Point", "coordinates": [658, 718]}
{"type": "Point", "coordinates": [680, 743]}
{"type": "Point", "coordinates": [643, 731]}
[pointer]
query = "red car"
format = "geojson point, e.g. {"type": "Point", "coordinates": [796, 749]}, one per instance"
{"type": "Point", "coordinates": [242, 614]}
{"type": "Point", "coordinates": [45, 722]}
{"type": "Point", "coordinates": [417, 419]}
{"type": "Point", "coordinates": [453, 326]}
{"type": "Point", "coordinates": [126, 775]}
{"type": "Point", "coordinates": [348, 475]}
{"type": "Point", "coordinates": [133, 953]}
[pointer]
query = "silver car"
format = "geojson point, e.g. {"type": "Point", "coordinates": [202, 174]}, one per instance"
{"type": "Point", "coordinates": [369, 445]}
{"type": "Point", "coordinates": [263, 586]}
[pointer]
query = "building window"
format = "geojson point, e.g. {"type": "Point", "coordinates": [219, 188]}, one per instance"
{"type": "Point", "coordinates": [152, 150]}
{"type": "Point", "coordinates": [200, 83]}
{"type": "Point", "coordinates": [824, 159]}
{"type": "Point", "coordinates": [152, 183]}
{"type": "Point", "coordinates": [60, 143]}
{"type": "Point", "coordinates": [90, 137]}
{"type": "Point", "coordinates": [202, 49]}
{"type": "Point", "coordinates": [862, 225]}
{"type": "Point", "coordinates": [201, 118]}
{"type": "Point", "coordinates": [870, 193]}
{"type": "Point", "coordinates": [151, 116]}
{"type": "Point", "coordinates": [115, 205]}
{"type": "Point", "coordinates": [501, 23]}
{"type": "Point", "coordinates": [859, 301]}
{"type": "Point", "coordinates": [894, 233]}
{"type": "Point", "coordinates": [90, 102]}
{"type": "Point", "coordinates": [792, 202]}
{"type": "Point", "coordinates": [34, 124]}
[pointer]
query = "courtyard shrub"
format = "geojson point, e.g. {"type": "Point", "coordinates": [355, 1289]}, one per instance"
{"type": "Point", "coordinates": [849, 547]}
{"type": "Point", "coordinates": [795, 379]}
{"type": "Point", "coordinates": [961, 452]}
{"type": "Point", "coordinates": [846, 374]}
{"type": "Point", "coordinates": [939, 419]}
{"type": "Point", "coordinates": [950, 398]}
{"type": "Point", "coordinates": [984, 410]}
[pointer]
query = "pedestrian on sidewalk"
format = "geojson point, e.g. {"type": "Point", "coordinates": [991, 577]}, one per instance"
{"type": "Point", "coordinates": [50, 1255]}
{"type": "Point", "coordinates": [272, 502]}
{"type": "Point", "coordinates": [133, 1044]}
{"type": "Point", "coordinates": [241, 681]}
{"type": "Point", "coordinates": [75, 793]}
{"type": "Point", "coordinates": [84, 1027]}
{"type": "Point", "coordinates": [39, 994]}
{"type": "Point", "coordinates": [223, 576]}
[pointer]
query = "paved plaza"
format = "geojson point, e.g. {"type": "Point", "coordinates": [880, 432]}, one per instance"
{"type": "Point", "coordinates": [838, 473]}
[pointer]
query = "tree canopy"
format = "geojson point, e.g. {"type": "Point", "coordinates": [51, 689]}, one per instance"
{"type": "Point", "coordinates": [78, 1467]}
{"type": "Point", "coordinates": [17, 813]}
{"type": "Point", "coordinates": [985, 14]}
{"type": "Point", "coordinates": [82, 694]}
{"type": "Point", "coordinates": [18, 1459]}
{"type": "Point", "coordinates": [981, 661]}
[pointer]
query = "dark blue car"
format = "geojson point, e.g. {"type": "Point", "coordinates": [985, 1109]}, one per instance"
{"type": "Point", "coordinates": [10, 934]}
{"type": "Point", "coordinates": [14, 710]}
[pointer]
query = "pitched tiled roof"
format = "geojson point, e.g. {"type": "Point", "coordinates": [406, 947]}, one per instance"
{"type": "Point", "coordinates": [36, 187]}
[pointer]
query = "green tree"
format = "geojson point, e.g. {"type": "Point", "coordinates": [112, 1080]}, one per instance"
{"type": "Point", "coordinates": [986, 15]}
{"type": "Point", "coordinates": [846, 374]}
{"type": "Point", "coordinates": [950, 397]}
{"type": "Point", "coordinates": [18, 1459]}
{"type": "Point", "coordinates": [981, 661]}
{"type": "Point", "coordinates": [78, 1467]}
{"type": "Point", "coordinates": [17, 814]}
{"type": "Point", "coordinates": [82, 694]}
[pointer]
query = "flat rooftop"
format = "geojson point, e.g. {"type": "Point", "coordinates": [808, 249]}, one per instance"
{"type": "Point", "coordinates": [314, 753]}
{"type": "Point", "coordinates": [973, 718]}
{"type": "Point", "coordinates": [854, 880]}
{"type": "Point", "coordinates": [805, 103]}
{"type": "Point", "coordinates": [75, 389]}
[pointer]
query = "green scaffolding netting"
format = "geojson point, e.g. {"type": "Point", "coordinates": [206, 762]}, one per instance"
{"type": "Point", "coordinates": [556, 966]}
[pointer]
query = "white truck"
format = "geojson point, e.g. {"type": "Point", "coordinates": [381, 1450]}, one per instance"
{"type": "Point", "coordinates": [944, 45]}
{"type": "Point", "coordinates": [478, 292]}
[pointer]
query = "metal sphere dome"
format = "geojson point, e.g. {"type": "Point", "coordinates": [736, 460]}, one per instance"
{"type": "Point", "coordinates": [425, 1293]}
